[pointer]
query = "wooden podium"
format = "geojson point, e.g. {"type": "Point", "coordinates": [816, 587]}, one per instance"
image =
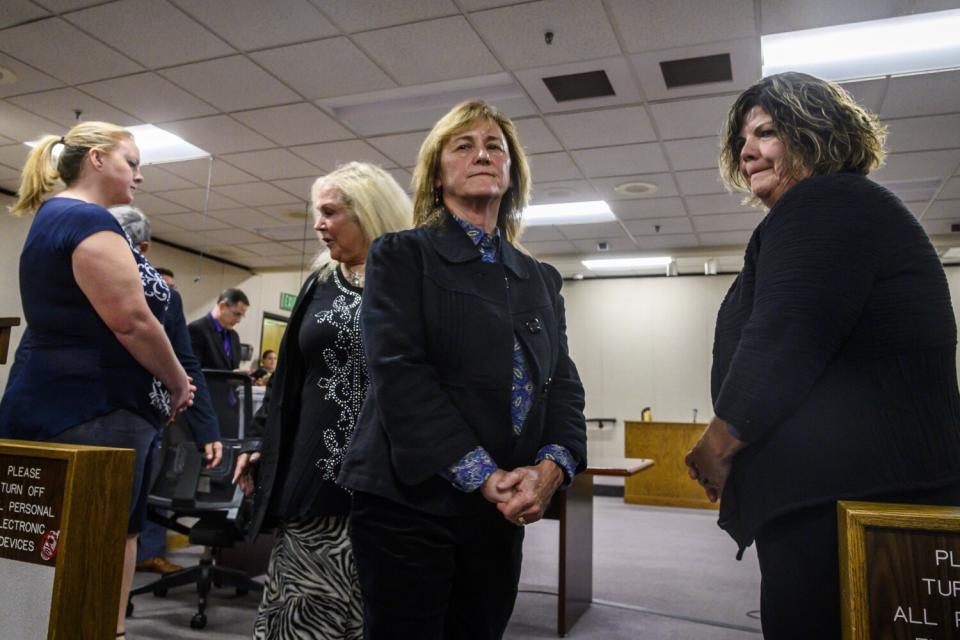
{"type": "Point", "coordinates": [667, 484]}
{"type": "Point", "coordinates": [5, 325]}
{"type": "Point", "coordinates": [63, 522]}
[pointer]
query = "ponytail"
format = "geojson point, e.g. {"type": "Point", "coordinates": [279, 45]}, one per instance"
{"type": "Point", "coordinates": [39, 177]}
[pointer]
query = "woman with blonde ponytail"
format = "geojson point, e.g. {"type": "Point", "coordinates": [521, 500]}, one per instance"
{"type": "Point", "coordinates": [94, 307]}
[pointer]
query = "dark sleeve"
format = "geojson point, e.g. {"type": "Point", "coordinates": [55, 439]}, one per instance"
{"type": "Point", "coordinates": [197, 338]}
{"type": "Point", "coordinates": [81, 222]}
{"type": "Point", "coordinates": [200, 417]}
{"type": "Point", "coordinates": [815, 267]}
{"type": "Point", "coordinates": [258, 427]}
{"type": "Point", "coordinates": [426, 432]}
{"type": "Point", "coordinates": [564, 422]}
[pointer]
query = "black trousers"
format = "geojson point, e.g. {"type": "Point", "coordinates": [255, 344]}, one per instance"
{"type": "Point", "coordinates": [800, 567]}
{"type": "Point", "coordinates": [426, 577]}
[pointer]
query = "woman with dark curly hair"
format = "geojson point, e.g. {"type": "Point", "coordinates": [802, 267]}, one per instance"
{"type": "Point", "coordinates": [834, 372]}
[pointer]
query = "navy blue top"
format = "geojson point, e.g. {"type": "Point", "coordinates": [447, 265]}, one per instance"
{"type": "Point", "coordinates": [77, 369]}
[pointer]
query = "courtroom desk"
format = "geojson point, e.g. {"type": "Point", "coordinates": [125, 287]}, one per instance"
{"type": "Point", "coordinates": [5, 326]}
{"type": "Point", "coordinates": [574, 509]}
{"type": "Point", "coordinates": [667, 485]}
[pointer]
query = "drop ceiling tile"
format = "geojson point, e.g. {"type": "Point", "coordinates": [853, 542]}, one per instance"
{"type": "Point", "coordinates": [150, 97]}
{"type": "Point", "coordinates": [244, 218]}
{"type": "Point", "coordinates": [255, 194]}
{"type": "Point", "coordinates": [566, 191]}
{"type": "Point", "coordinates": [541, 234]}
{"type": "Point", "coordinates": [550, 248]}
{"type": "Point", "coordinates": [231, 84]}
{"type": "Point", "coordinates": [157, 179]}
{"type": "Point", "coordinates": [196, 199]}
{"type": "Point", "coordinates": [306, 247]}
{"type": "Point", "coordinates": [718, 203]}
{"type": "Point", "coordinates": [647, 208]}
{"type": "Point", "coordinates": [229, 237]}
{"type": "Point", "coordinates": [272, 164]}
{"type": "Point", "coordinates": [28, 80]}
{"type": "Point", "coordinates": [950, 190]}
{"type": "Point", "coordinates": [698, 182]}
{"type": "Point", "coordinates": [600, 231]}
{"type": "Point", "coordinates": [868, 93]}
{"type": "Point", "coordinates": [743, 56]}
{"type": "Point", "coordinates": [553, 167]}
{"type": "Point", "coordinates": [193, 221]}
{"type": "Point", "coordinates": [728, 222]}
{"type": "Point", "coordinates": [332, 154]}
{"type": "Point", "coordinates": [197, 171]}
{"type": "Point", "coordinates": [937, 227]}
{"type": "Point", "coordinates": [923, 134]}
{"type": "Point", "coordinates": [158, 227]}
{"type": "Point", "coordinates": [403, 178]}
{"type": "Point", "coordinates": [665, 241]}
{"type": "Point", "coordinates": [721, 238]}
{"type": "Point", "coordinates": [921, 95]}
{"type": "Point", "coordinates": [8, 173]}
{"type": "Point", "coordinates": [602, 128]}
{"type": "Point", "coordinates": [535, 136]}
{"type": "Point", "coordinates": [241, 22]}
{"type": "Point", "coordinates": [269, 249]}
{"type": "Point", "coordinates": [61, 6]}
{"type": "Point", "coordinates": [479, 5]}
{"type": "Point", "coordinates": [298, 187]}
{"type": "Point", "coordinates": [402, 148]}
{"type": "Point", "coordinates": [152, 32]}
{"type": "Point", "coordinates": [58, 54]}
{"type": "Point", "coordinates": [620, 161]}
{"type": "Point", "coordinates": [324, 69]}
{"type": "Point", "coordinates": [664, 183]}
{"type": "Point", "coordinates": [59, 106]}
{"type": "Point", "coordinates": [232, 253]}
{"type": "Point", "coordinates": [218, 135]}
{"type": "Point", "coordinates": [156, 206]}
{"type": "Point", "coordinates": [294, 124]}
{"type": "Point", "coordinates": [918, 165]}
{"type": "Point", "coordinates": [651, 24]}
{"type": "Point", "coordinates": [409, 52]}
{"type": "Point", "coordinates": [943, 209]}
{"type": "Point", "coordinates": [691, 118]}
{"type": "Point", "coordinates": [615, 245]}
{"type": "Point", "coordinates": [11, 184]}
{"type": "Point", "coordinates": [653, 226]}
{"type": "Point", "coordinates": [21, 125]}
{"type": "Point", "coordinates": [581, 32]}
{"type": "Point", "coordinates": [363, 15]}
{"type": "Point", "coordinates": [262, 263]}
{"type": "Point", "coordinates": [17, 11]}
{"type": "Point", "coordinates": [693, 153]}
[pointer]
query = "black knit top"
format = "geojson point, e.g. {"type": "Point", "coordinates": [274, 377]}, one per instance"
{"type": "Point", "coordinates": [835, 356]}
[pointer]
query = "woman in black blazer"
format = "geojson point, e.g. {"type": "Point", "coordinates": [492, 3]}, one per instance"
{"type": "Point", "coordinates": [834, 372]}
{"type": "Point", "coordinates": [474, 416]}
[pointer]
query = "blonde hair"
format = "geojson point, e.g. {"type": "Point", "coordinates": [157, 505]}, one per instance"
{"type": "Point", "coordinates": [40, 176]}
{"type": "Point", "coordinates": [822, 128]}
{"type": "Point", "coordinates": [427, 199]}
{"type": "Point", "coordinates": [374, 199]}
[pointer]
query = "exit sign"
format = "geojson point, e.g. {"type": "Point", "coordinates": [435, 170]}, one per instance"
{"type": "Point", "coordinates": [287, 300]}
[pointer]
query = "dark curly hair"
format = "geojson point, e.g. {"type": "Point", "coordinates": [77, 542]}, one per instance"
{"type": "Point", "coordinates": [821, 126]}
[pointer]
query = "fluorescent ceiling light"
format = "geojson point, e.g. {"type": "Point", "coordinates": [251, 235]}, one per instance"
{"type": "Point", "coordinates": [907, 44]}
{"type": "Point", "coordinates": [618, 264]}
{"type": "Point", "coordinates": [592, 211]}
{"type": "Point", "coordinates": [157, 146]}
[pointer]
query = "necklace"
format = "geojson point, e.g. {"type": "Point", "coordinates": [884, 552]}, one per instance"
{"type": "Point", "coordinates": [355, 277]}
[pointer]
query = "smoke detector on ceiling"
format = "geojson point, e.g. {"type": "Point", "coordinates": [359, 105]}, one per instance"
{"type": "Point", "coordinates": [7, 76]}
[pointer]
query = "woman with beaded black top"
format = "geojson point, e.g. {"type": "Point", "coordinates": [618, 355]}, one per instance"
{"type": "Point", "coordinates": [308, 415]}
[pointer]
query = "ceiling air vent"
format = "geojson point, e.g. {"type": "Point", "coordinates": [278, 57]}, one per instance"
{"type": "Point", "coordinates": [579, 86]}
{"type": "Point", "coordinates": [693, 71]}
{"type": "Point", "coordinates": [955, 228]}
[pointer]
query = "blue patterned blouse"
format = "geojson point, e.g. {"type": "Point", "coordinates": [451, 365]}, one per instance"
{"type": "Point", "coordinates": [470, 472]}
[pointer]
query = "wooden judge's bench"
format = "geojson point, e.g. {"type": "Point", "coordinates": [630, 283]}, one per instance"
{"type": "Point", "coordinates": [667, 484]}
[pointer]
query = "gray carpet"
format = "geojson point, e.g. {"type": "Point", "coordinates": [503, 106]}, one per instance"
{"type": "Point", "coordinates": [659, 574]}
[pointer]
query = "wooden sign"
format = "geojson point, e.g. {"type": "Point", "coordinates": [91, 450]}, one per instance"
{"type": "Point", "coordinates": [63, 521]}
{"type": "Point", "coordinates": [899, 571]}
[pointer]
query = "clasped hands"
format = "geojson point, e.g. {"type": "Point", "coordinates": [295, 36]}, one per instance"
{"type": "Point", "coordinates": [522, 495]}
{"type": "Point", "coordinates": [710, 460]}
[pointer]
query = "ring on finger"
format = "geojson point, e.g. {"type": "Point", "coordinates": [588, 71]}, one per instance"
{"type": "Point", "coordinates": [522, 521]}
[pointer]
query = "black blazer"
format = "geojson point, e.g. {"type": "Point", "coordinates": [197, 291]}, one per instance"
{"type": "Point", "coordinates": [834, 356]}
{"type": "Point", "coordinates": [208, 345]}
{"type": "Point", "coordinates": [438, 329]}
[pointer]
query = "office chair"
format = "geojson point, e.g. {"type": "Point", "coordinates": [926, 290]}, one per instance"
{"type": "Point", "coordinates": [185, 489]}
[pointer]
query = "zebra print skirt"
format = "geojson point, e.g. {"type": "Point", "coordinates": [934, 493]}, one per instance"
{"type": "Point", "coordinates": [312, 591]}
